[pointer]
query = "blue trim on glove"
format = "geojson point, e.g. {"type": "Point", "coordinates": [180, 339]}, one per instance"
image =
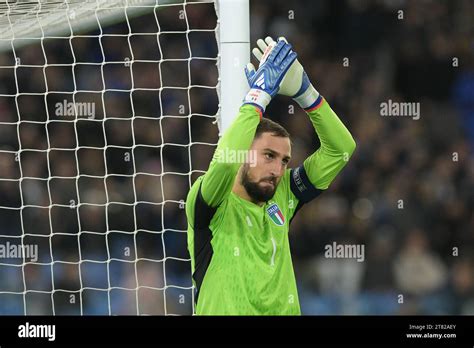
{"type": "Point", "coordinates": [270, 74]}
{"type": "Point", "coordinates": [315, 105]}
{"type": "Point", "coordinates": [305, 83]}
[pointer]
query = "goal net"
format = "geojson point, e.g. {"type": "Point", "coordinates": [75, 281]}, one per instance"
{"type": "Point", "coordinates": [107, 116]}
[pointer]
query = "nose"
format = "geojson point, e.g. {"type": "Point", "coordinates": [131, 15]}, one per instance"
{"type": "Point", "coordinates": [277, 170]}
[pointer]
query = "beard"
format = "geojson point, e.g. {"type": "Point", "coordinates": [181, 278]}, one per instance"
{"type": "Point", "coordinates": [257, 192]}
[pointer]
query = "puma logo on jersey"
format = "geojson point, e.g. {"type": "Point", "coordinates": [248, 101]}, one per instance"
{"type": "Point", "coordinates": [249, 222]}
{"type": "Point", "coordinates": [276, 215]}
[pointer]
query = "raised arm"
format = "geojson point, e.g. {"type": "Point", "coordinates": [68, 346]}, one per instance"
{"type": "Point", "coordinates": [337, 144]}
{"type": "Point", "coordinates": [264, 85]}
{"type": "Point", "coordinates": [219, 178]}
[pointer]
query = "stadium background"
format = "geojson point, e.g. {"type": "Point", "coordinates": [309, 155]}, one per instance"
{"type": "Point", "coordinates": [408, 251]}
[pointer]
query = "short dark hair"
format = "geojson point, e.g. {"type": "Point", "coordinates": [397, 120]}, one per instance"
{"type": "Point", "coordinates": [268, 126]}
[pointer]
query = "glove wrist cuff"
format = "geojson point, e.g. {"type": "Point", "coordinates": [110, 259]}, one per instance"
{"type": "Point", "coordinates": [259, 98]}
{"type": "Point", "coordinates": [308, 98]}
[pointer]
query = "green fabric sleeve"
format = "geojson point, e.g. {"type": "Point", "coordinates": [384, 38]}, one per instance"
{"type": "Point", "coordinates": [337, 146]}
{"type": "Point", "coordinates": [218, 181]}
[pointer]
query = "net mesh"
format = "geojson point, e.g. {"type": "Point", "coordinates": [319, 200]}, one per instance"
{"type": "Point", "coordinates": [106, 114]}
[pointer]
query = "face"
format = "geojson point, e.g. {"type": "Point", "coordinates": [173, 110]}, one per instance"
{"type": "Point", "coordinates": [271, 155]}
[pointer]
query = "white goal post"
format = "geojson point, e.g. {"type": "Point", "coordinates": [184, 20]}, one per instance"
{"type": "Point", "coordinates": [106, 109]}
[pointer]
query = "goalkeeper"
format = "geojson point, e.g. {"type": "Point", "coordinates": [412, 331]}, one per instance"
{"type": "Point", "coordinates": [239, 214]}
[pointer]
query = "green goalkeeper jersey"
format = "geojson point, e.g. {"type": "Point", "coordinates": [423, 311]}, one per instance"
{"type": "Point", "coordinates": [240, 252]}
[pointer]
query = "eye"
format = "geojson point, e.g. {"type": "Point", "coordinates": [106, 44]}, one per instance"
{"type": "Point", "coordinates": [285, 162]}
{"type": "Point", "coordinates": [269, 155]}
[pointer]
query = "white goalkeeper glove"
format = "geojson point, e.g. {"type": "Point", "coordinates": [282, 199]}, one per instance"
{"type": "Point", "coordinates": [266, 81]}
{"type": "Point", "coordinates": [295, 83]}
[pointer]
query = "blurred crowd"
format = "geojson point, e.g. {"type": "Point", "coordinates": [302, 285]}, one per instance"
{"type": "Point", "coordinates": [102, 195]}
